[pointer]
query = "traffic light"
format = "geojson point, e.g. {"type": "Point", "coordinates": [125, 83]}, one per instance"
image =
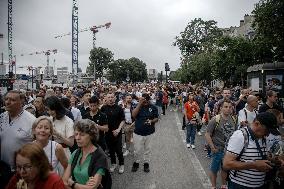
{"type": "Point", "coordinates": [167, 67]}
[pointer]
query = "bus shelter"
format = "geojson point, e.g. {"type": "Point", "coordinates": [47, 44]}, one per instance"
{"type": "Point", "coordinates": [263, 77]}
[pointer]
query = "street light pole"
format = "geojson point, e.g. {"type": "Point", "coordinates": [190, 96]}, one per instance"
{"type": "Point", "coordinates": [127, 77]}
{"type": "Point", "coordinates": [15, 60]}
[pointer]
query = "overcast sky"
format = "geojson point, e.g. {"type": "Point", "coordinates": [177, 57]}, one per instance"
{"type": "Point", "coordinates": [140, 28]}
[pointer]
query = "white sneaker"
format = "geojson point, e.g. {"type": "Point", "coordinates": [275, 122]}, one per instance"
{"type": "Point", "coordinates": [121, 169]}
{"type": "Point", "coordinates": [126, 153]}
{"type": "Point", "coordinates": [193, 146]}
{"type": "Point", "coordinates": [188, 145]}
{"type": "Point", "coordinates": [199, 133]}
{"type": "Point", "coordinates": [112, 168]}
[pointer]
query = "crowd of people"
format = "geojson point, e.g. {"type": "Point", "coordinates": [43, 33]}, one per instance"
{"type": "Point", "coordinates": [66, 137]}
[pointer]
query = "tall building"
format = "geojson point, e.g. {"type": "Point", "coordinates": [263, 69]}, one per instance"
{"type": "Point", "coordinates": [244, 30]}
{"type": "Point", "coordinates": [152, 74]}
{"type": "Point", "coordinates": [48, 72]}
{"type": "Point", "coordinates": [62, 75]}
{"type": "Point", "coordinates": [3, 70]}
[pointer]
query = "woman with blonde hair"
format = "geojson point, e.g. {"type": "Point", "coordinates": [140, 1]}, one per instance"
{"type": "Point", "coordinates": [42, 130]}
{"type": "Point", "coordinates": [33, 170]}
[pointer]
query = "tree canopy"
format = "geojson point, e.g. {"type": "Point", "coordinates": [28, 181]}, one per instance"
{"type": "Point", "coordinates": [208, 54]}
{"type": "Point", "coordinates": [135, 68]}
{"type": "Point", "coordinates": [100, 57]}
{"type": "Point", "coordinates": [269, 26]}
{"type": "Point", "coordinates": [199, 35]}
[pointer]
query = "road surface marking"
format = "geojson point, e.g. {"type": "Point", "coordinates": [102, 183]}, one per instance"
{"type": "Point", "coordinates": [204, 178]}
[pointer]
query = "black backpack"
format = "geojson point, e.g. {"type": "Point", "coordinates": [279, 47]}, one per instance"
{"type": "Point", "coordinates": [98, 160]}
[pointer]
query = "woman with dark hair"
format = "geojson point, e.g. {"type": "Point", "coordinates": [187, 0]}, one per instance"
{"type": "Point", "coordinates": [63, 126]}
{"type": "Point", "coordinates": [87, 167]}
{"type": "Point", "coordinates": [33, 170]}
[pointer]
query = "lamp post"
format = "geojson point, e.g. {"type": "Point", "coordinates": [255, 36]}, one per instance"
{"type": "Point", "coordinates": [127, 78]}
{"type": "Point", "coordinates": [262, 81]}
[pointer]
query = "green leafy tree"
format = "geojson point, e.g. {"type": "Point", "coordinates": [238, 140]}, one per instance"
{"type": "Point", "coordinates": [232, 57]}
{"type": "Point", "coordinates": [100, 57]}
{"type": "Point", "coordinates": [269, 25]}
{"type": "Point", "coordinates": [116, 70]}
{"type": "Point", "coordinates": [198, 36]}
{"type": "Point", "coordinates": [136, 69]}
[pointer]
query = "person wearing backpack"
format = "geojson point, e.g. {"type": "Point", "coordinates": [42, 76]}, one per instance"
{"type": "Point", "coordinates": [248, 113]}
{"type": "Point", "coordinates": [246, 153]}
{"type": "Point", "coordinates": [87, 166]}
{"type": "Point", "coordinates": [219, 129]}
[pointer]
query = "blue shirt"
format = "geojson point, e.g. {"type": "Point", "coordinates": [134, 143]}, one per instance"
{"type": "Point", "coordinates": [145, 112]}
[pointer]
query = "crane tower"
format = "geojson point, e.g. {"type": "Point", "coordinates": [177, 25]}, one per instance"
{"type": "Point", "coordinates": [74, 39]}
{"type": "Point", "coordinates": [10, 37]}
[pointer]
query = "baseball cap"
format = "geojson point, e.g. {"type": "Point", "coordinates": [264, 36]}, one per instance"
{"type": "Point", "coordinates": [269, 121]}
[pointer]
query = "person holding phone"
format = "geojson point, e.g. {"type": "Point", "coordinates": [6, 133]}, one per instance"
{"type": "Point", "coordinates": [145, 115]}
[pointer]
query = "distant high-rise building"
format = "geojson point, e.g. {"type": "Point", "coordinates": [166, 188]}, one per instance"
{"type": "Point", "coordinates": [152, 74]}
{"type": "Point", "coordinates": [62, 75]}
{"type": "Point", "coordinates": [2, 70]}
{"type": "Point", "coordinates": [48, 72]}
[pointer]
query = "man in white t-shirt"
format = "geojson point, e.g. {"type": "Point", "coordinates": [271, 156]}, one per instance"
{"type": "Point", "coordinates": [15, 126]}
{"type": "Point", "coordinates": [249, 112]}
{"type": "Point", "coordinates": [246, 153]}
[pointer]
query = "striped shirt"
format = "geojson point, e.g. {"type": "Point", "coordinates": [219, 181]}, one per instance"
{"type": "Point", "coordinates": [249, 177]}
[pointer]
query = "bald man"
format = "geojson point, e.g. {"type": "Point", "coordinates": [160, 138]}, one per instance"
{"type": "Point", "coordinates": [248, 113]}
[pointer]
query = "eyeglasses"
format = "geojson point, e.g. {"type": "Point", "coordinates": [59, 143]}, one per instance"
{"type": "Point", "coordinates": [26, 168]}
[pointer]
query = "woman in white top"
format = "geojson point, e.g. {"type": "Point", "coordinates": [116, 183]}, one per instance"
{"type": "Point", "coordinates": [129, 124]}
{"type": "Point", "coordinates": [42, 131]}
{"type": "Point", "coordinates": [63, 130]}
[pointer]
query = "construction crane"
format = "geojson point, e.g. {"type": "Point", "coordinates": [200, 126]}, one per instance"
{"type": "Point", "coordinates": [93, 29]}
{"type": "Point", "coordinates": [47, 53]}
{"type": "Point", "coordinates": [10, 37]}
{"type": "Point", "coordinates": [75, 40]}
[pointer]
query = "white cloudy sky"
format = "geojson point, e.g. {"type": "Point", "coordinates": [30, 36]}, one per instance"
{"type": "Point", "coordinates": [140, 28]}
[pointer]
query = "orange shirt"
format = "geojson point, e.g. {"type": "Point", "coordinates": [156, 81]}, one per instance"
{"type": "Point", "coordinates": [190, 109]}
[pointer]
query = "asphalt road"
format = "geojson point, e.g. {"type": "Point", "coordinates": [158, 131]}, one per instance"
{"type": "Point", "coordinates": [172, 165]}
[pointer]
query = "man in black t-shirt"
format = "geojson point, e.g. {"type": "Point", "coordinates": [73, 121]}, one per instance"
{"type": "Point", "coordinates": [84, 107]}
{"type": "Point", "coordinates": [99, 118]}
{"type": "Point", "coordinates": [115, 115]}
{"type": "Point", "coordinates": [271, 103]}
